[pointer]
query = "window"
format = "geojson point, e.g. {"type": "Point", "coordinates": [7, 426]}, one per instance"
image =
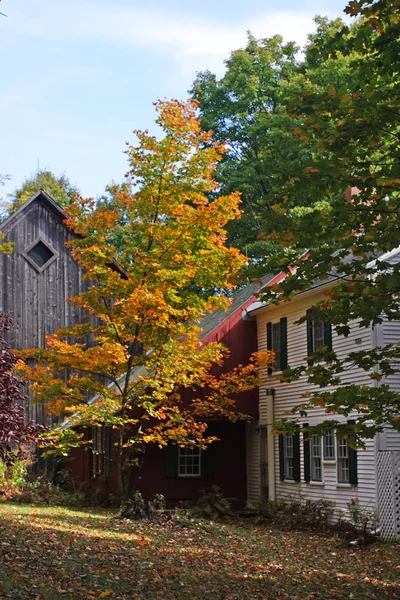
{"type": "Point", "coordinates": [329, 446]}
{"type": "Point", "coordinates": [40, 254]}
{"type": "Point", "coordinates": [319, 334]}
{"type": "Point", "coordinates": [277, 342]}
{"type": "Point", "coordinates": [316, 463]}
{"type": "Point", "coordinates": [341, 456]}
{"type": "Point", "coordinates": [289, 456]}
{"type": "Point", "coordinates": [343, 470]}
{"type": "Point", "coordinates": [189, 462]}
{"type": "Point", "coordinates": [288, 453]}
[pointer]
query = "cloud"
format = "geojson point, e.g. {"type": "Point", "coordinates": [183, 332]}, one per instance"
{"type": "Point", "coordinates": [192, 43]}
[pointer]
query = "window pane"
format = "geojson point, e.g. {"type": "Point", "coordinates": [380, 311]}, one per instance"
{"type": "Point", "coordinates": [189, 461]}
{"type": "Point", "coordinates": [316, 465]}
{"type": "Point", "coordinates": [342, 462]}
{"type": "Point", "coordinates": [40, 254]}
{"type": "Point", "coordinates": [318, 334]}
{"type": "Point", "coordinates": [276, 342]}
{"type": "Point", "coordinates": [329, 446]}
{"type": "Point", "coordinates": [288, 456]}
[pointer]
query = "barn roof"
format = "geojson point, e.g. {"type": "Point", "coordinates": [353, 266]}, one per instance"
{"type": "Point", "coordinates": [213, 320]}
{"type": "Point", "coordinates": [40, 196]}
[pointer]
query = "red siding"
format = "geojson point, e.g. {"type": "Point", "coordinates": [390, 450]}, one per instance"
{"type": "Point", "coordinates": [229, 470]}
{"type": "Point", "coordinates": [240, 337]}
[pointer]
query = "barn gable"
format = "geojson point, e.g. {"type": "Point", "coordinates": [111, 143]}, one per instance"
{"type": "Point", "coordinates": [38, 277]}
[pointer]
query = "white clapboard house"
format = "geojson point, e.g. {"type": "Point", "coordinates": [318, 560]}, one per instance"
{"type": "Point", "coordinates": [292, 467]}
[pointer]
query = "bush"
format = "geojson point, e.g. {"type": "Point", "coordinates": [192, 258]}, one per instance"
{"type": "Point", "coordinates": [310, 514]}
{"type": "Point", "coordinates": [363, 520]}
{"type": "Point", "coordinates": [137, 508]}
{"type": "Point", "coordinates": [14, 466]}
{"type": "Point", "coordinates": [41, 491]}
{"type": "Point", "coordinates": [212, 504]}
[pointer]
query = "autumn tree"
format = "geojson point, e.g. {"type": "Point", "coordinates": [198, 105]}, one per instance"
{"type": "Point", "coordinates": [143, 306]}
{"type": "Point", "coordinates": [344, 207]}
{"type": "Point", "coordinates": [14, 430]}
{"type": "Point", "coordinates": [60, 188]}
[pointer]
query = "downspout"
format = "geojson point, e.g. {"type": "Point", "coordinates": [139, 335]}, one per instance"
{"type": "Point", "coordinates": [270, 443]}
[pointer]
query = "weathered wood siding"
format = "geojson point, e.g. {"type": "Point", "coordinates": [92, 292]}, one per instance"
{"type": "Point", "coordinates": [288, 395]}
{"type": "Point", "coordinates": [37, 301]}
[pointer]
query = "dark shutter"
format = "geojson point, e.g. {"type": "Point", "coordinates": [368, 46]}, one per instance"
{"type": "Point", "coordinates": [89, 437]}
{"type": "Point", "coordinates": [328, 336]}
{"type": "Point", "coordinates": [353, 472]}
{"type": "Point", "coordinates": [209, 461]}
{"type": "Point", "coordinates": [269, 342]}
{"type": "Point", "coordinates": [171, 461]}
{"type": "Point", "coordinates": [296, 456]}
{"type": "Point", "coordinates": [283, 360]}
{"type": "Point", "coordinates": [281, 458]}
{"type": "Point", "coordinates": [306, 449]}
{"type": "Point", "coordinates": [310, 342]}
{"type": "Point", "coordinates": [107, 452]}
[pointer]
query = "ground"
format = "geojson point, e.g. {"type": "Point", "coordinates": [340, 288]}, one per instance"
{"type": "Point", "coordinates": [50, 552]}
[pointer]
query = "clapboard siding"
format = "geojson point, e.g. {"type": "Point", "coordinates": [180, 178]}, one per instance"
{"type": "Point", "coordinates": [37, 301]}
{"type": "Point", "coordinates": [288, 395]}
{"type": "Point", "coordinates": [390, 334]}
{"type": "Point", "coordinates": [253, 462]}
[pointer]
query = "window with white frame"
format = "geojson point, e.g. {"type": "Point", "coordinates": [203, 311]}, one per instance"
{"type": "Point", "coordinates": [189, 464]}
{"type": "Point", "coordinates": [329, 445]}
{"type": "Point", "coordinates": [343, 471]}
{"type": "Point", "coordinates": [288, 456]}
{"type": "Point", "coordinates": [315, 458]}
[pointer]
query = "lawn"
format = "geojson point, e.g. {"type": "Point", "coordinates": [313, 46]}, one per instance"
{"type": "Point", "coordinates": [50, 552]}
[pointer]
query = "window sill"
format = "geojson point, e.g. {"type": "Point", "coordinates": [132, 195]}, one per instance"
{"type": "Point", "coordinates": [329, 461]}
{"type": "Point", "coordinates": [290, 481]}
{"type": "Point", "coordinates": [316, 483]}
{"type": "Point", "coordinates": [189, 476]}
{"type": "Point", "coordinates": [345, 486]}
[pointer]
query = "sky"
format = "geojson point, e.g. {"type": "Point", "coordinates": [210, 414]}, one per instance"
{"type": "Point", "coordinates": [78, 76]}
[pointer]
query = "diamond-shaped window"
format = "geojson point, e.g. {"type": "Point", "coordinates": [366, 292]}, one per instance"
{"type": "Point", "coordinates": [40, 255]}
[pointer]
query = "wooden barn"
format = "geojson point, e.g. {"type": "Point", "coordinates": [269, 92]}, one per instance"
{"type": "Point", "coordinates": [37, 280]}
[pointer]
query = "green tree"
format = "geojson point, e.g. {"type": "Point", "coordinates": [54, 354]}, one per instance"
{"type": "Point", "coordinates": [60, 188]}
{"type": "Point", "coordinates": [247, 108]}
{"type": "Point", "coordinates": [345, 205]}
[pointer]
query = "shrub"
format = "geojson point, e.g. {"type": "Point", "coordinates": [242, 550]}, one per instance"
{"type": "Point", "coordinates": [211, 504]}
{"type": "Point", "coordinates": [41, 491]}
{"type": "Point", "coordinates": [135, 508]}
{"type": "Point", "coordinates": [310, 514]}
{"type": "Point", "coordinates": [14, 466]}
{"type": "Point", "coordinates": [363, 520]}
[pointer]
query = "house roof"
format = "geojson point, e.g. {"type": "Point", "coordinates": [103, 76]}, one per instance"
{"type": "Point", "coordinates": [391, 257]}
{"type": "Point", "coordinates": [41, 196]}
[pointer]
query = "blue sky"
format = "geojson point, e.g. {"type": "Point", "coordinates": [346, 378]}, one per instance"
{"type": "Point", "coordinates": [78, 76]}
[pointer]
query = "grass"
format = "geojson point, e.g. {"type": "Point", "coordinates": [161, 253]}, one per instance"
{"type": "Point", "coordinates": [57, 553]}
